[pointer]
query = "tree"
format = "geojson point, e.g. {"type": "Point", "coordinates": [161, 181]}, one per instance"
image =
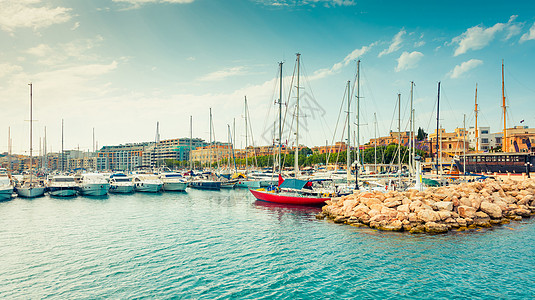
{"type": "Point", "coordinates": [422, 135]}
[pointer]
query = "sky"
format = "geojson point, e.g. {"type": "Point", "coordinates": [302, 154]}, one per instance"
{"type": "Point", "coordinates": [121, 66]}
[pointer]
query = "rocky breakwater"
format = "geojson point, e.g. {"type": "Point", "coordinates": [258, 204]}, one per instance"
{"type": "Point", "coordinates": [436, 210]}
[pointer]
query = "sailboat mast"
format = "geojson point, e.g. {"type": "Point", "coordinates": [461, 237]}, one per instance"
{"type": "Point", "coordinates": [375, 142]}
{"type": "Point", "coordinates": [477, 130]}
{"type": "Point", "coordinates": [280, 120]}
{"type": "Point", "coordinates": [190, 142]}
{"type": "Point", "coordinates": [62, 151]}
{"type": "Point", "coordinates": [399, 140]}
{"type": "Point", "coordinates": [31, 132]}
{"type": "Point", "coordinates": [348, 151]}
{"type": "Point", "coordinates": [411, 124]}
{"type": "Point", "coordinates": [464, 143]}
{"type": "Point", "coordinates": [210, 147]}
{"type": "Point", "coordinates": [358, 116]}
{"type": "Point", "coordinates": [504, 142]}
{"type": "Point", "coordinates": [438, 115]}
{"type": "Point", "coordinates": [296, 155]}
{"type": "Point", "coordinates": [9, 147]}
{"type": "Point", "coordinates": [246, 140]}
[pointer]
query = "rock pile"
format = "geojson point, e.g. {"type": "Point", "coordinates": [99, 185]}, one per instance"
{"type": "Point", "coordinates": [436, 210]}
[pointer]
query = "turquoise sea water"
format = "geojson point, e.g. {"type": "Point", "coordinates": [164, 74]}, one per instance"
{"type": "Point", "coordinates": [207, 245]}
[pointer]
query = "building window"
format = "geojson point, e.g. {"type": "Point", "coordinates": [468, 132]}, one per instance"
{"type": "Point", "coordinates": [484, 141]}
{"type": "Point", "coordinates": [484, 132]}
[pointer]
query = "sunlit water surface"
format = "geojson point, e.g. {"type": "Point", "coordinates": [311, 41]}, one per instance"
{"type": "Point", "coordinates": [208, 245]}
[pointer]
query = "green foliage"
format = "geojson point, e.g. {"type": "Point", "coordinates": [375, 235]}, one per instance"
{"type": "Point", "coordinates": [421, 134]}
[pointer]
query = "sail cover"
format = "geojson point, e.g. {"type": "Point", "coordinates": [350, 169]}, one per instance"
{"type": "Point", "coordinates": [292, 183]}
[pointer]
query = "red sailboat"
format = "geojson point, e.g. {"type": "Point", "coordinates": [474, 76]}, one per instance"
{"type": "Point", "coordinates": [296, 192]}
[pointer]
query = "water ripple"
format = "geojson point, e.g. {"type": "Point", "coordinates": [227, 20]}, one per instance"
{"type": "Point", "coordinates": [221, 245]}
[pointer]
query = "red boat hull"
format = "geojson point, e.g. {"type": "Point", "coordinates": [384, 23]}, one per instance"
{"type": "Point", "coordinates": [283, 199]}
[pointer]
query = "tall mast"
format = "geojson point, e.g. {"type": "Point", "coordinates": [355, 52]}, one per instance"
{"type": "Point", "coordinates": [357, 142]}
{"type": "Point", "coordinates": [246, 141]}
{"type": "Point", "coordinates": [358, 117]}
{"type": "Point", "coordinates": [411, 125]}
{"type": "Point", "coordinates": [348, 151]}
{"type": "Point", "coordinates": [62, 151]}
{"type": "Point", "coordinates": [93, 139]}
{"type": "Point", "coordinates": [477, 130]}
{"type": "Point", "coordinates": [190, 141]}
{"type": "Point", "coordinates": [45, 156]}
{"type": "Point", "coordinates": [210, 147]}
{"type": "Point", "coordinates": [296, 155]}
{"type": "Point", "coordinates": [464, 143]}
{"type": "Point", "coordinates": [438, 115]}
{"type": "Point", "coordinates": [31, 132]}
{"type": "Point", "coordinates": [505, 145]}
{"type": "Point", "coordinates": [375, 143]}
{"type": "Point", "coordinates": [280, 120]}
{"type": "Point", "coordinates": [9, 148]}
{"type": "Point", "coordinates": [399, 139]}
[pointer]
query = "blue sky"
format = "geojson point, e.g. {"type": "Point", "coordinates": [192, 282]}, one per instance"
{"type": "Point", "coordinates": [120, 66]}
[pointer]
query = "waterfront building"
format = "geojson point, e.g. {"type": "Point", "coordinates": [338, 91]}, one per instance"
{"type": "Point", "coordinates": [213, 153]}
{"type": "Point", "coordinates": [485, 141]}
{"type": "Point", "coordinates": [450, 144]}
{"type": "Point", "coordinates": [121, 157]}
{"type": "Point", "coordinates": [521, 139]}
{"type": "Point", "coordinates": [336, 148]}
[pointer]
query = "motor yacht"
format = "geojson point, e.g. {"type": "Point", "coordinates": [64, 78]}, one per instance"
{"type": "Point", "coordinates": [121, 183]}
{"type": "Point", "coordinates": [147, 183]}
{"type": "Point", "coordinates": [92, 184]}
{"type": "Point", "coordinates": [62, 186]}
{"type": "Point", "coordinates": [173, 182]}
{"type": "Point", "coordinates": [6, 186]}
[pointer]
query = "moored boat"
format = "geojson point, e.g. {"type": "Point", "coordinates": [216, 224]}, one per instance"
{"type": "Point", "coordinates": [173, 182]}
{"type": "Point", "coordinates": [92, 184]}
{"type": "Point", "coordinates": [6, 186]}
{"type": "Point", "coordinates": [30, 188]}
{"type": "Point", "coordinates": [147, 183]}
{"type": "Point", "coordinates": [62, 186]}
{"type": "Point", "coordinates": [121, 183]}
{"type": "Point", "coordinates": [298, 192]}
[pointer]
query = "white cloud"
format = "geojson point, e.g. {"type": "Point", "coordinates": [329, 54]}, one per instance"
{"type": "Point", "coordinates": [40, 50]}
{"type": "Point", "coordinates": [322, 73]}
{"type": "Point", "coordinates": [138, 3]}
{"type": "Point", "coordinates": [478, 37]}
{"type": "Point", "coordinates": [530, 35]}
{"type": "Point", "coordinates": [30, 14]}
{"type": "Point", "coordinates": [395, 45]}
{"type": "Point", "coordinates": [419, 44]}
{"type": "Point", "coordinates": [6, 69]}
{"type": "Point", "coordinates": [408, 60]}
{"type": "Point", "coordinates": [78, 49]}
{"type": "Point", "coordinates": [75, 26]}
{"type": "Point", "coordinates": [465, 67]}
{"type": "Point", "coordinates": [326, 3]}
{"type": "Point", "coordinates": [222, 74]}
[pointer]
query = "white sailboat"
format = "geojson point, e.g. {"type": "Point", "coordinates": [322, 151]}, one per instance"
{"type": "Point", "coordinates": [30, 187]}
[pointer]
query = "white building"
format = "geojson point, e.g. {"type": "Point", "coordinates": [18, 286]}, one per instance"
{"type": "Point", "coordinates": [486, 140]}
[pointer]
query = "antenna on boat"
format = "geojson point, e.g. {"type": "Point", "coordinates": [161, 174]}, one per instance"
{"type": "Point", "coordinates": [348, 151]}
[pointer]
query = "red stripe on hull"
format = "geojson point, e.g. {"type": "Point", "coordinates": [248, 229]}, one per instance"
{"type": "Point", "coordinates": [282, 199]}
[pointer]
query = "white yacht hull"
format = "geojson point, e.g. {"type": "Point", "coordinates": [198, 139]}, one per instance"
{"type": "Point", "coordinates": [6, 193]}
{"type": "Point", "coordinates": [31, 192]}
{"type": "Point", "coordinates": [148, 187]}
{"type": "Point", "coordinates": [174, 186]}
{"type": "Point", "coordinates": [66, 192]}
{"type": "Point", "coordinates": [95, 189]}
{"type": "Point", "coordinates": [121, 189]}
